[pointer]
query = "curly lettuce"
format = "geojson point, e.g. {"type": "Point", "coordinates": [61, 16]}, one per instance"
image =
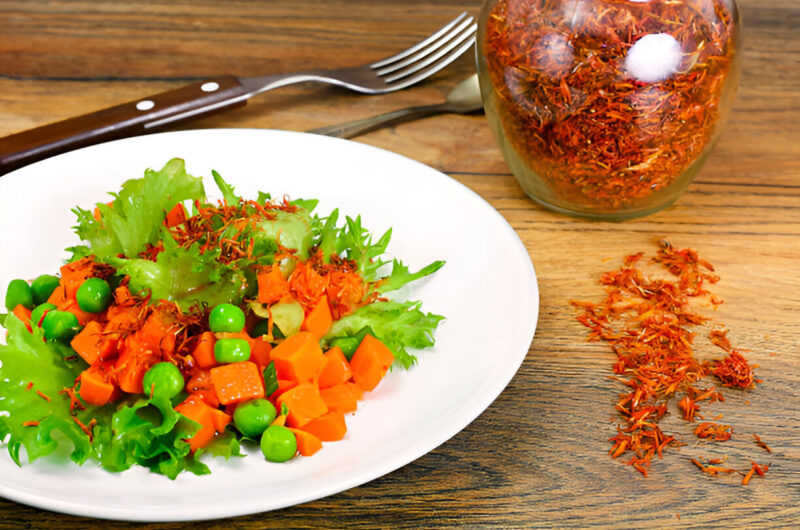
{"type": "Point", "coordinates": [134, 219]}
{"type": "Point", "coordinates": [399, 325]}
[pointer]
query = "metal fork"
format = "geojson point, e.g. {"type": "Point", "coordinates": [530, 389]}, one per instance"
{"type": "Point", "coordinates": [200, 99]}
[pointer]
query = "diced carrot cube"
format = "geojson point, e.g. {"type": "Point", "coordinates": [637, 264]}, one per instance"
{"type": "Point", "coordinates": [307, 443]}
{"type": "Point", "coordinates": [58, 296]}
{"type": "Point", "coordinates": [24, 314]}
{"type": "Point", "coordinates": [122, 296]}
{"type": "Point", "coordinates": [176, 216]}
{"type": "Point", "coordinates": [92, 345]}
{"type": "Point", "coordinates": [329, 427]}
{"type": "Point", "coordinates": [339, 398]}
{"type": "Point", "coordinates": [157, 331]}
{"type": "Point", "coordinates": [135, 358]}
{"type": "Point", "coordinates": [208, 418]}
{"type": "Point", "coordinates": [336, 370]}
{"type": "Point", "coordinates": [370, 362]}
{"type": "Point", "coordinates": [237, 382]}
{"type": "Point", "coordinates": [318, 321]}
{"type": "Point", "coordinates": [203, 352]}
{"type": "Point", "coordinates": [298, 358]}
{"type": "Point", "coordinates": [304, 404]}
{"type": "Point", "coordinates": [260, 350]}
{"type": "Point", "coordinates": [220, 419]}
{"type": "Point", "coordinates": [357, 391]}
{"type": "Point", "coordinates": [283, 386]}
{"type": "Point", "coordinates": [201, 385]}
{"type": "Point", "coordinates": [95, 388]}
{"type": "Point", "coordinates": [272, 286]}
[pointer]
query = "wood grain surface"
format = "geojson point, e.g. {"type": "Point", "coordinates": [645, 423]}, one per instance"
{"type": "Point", "coordinates": [537, 457]}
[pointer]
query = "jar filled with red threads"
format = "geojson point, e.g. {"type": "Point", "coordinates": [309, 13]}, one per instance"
{"type": "Point", "coordinates": [607, 109]}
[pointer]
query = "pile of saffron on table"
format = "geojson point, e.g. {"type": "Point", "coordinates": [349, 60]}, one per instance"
{"type": "Point", "coordinates": [581, 104]}
{"type": "Point", "coordinates": [650, 325]}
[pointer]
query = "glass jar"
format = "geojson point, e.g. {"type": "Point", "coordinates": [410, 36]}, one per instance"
{"type": "Point", "coordinates": [607, 109]}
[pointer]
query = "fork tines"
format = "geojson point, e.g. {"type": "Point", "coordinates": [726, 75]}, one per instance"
{"type": "Point", "coordinates": [429, 56]}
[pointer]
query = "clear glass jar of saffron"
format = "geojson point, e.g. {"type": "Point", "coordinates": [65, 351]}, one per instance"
{"type": "Point", "coordinates": [607, 109]}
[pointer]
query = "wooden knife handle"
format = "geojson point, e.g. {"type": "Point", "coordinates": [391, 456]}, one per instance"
{"type": "Point", "coordinates": [129, 119]}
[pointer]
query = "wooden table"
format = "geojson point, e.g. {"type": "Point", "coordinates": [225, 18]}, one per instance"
{"type": "Point", "coordinates": [538, 455]}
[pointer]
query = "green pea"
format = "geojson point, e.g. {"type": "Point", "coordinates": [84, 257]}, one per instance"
{"type": "Point", "coordinates": [43, 286]}
{"type": "Point", "coordinates": [231, 350]}
{"type": "Point", "coordinates": [163, 379]}
{"type": "Point", "coordinates": [226, 318]}
{"type": "Point", "coordinates": [59, 325]}
{"type": "Point", "coordinates": [40, 311]}
{"type": "Point", "coordinates": [94, 295]}
{"type": "Point", "coordinates": [253, 417]}
{"type": "Point", "coordinates": [278, 444]}
{"type": "Point", "coordinates": [19, 293]}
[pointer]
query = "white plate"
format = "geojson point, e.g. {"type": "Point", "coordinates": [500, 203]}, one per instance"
{"type": "Point", "coordinates": [487, 291]}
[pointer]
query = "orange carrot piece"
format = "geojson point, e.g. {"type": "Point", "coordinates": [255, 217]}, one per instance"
{"type": "Point", "coordinates": [319, 320]}
{"type": "Point", "coordinates": [220, 419]}
{"type": "Point", "coordinates": [201, 385]}
{"type": "Point", "coordinates": [58, 296]}
{"type": "Point", "coordinates": [336, 369]}
{"type": "Point", "coordinates": [298, 358]}
{"type": "Point", "coordinates": [158, 331]}
{"type": "Point", "coordinates": [24, 314]}
{"type": "Point", "coordinates": [198, 411]}
{"type": "Point", "coordinates": [74, 274]}
{"type": "Point", "coordinates": [357, 391]}
{"type": "Point", "coordinates": [283, 386]}
{"type": "Point", "coordinates": [123, 296]}
{"type": "Point", "coordinates": [370, 362]}
{"type": "Point", "coordinates": [339, 398]}
{"type": "Point", "coordinates": [279, 420]}
{"type": "Point", "coordinates": [92, 345]}
{"type": "Point", "coordinates": [304, 404]}
{"type": "Point", "coordinates": [122, 318]}
{"type": "Point", "coordinates": [329, 427]}
{"type": "Point", "coordinates": [307, 443]}
{"type": "Point", "coordinates": [260, 350]}
{"type": "Point", "coordinates": [95, 389]}
{"type": "Point", "coordinates": [272, 286]}
{"type": "Point", "coordinates": [203, 352]}
{"type": "Point", "coordinates": [135, 358]}
{"type": "Point", "coordinates": [237, 382]}
{"type": "Point", "coordinates": [176, 216]}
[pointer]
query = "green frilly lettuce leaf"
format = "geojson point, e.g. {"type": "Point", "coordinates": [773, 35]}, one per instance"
{"type": "Point", "coordinates": [399, 325]}
{"type": "Point", "coordinates": [32, 377]}
{"type": "Point", "coordinates": [135, 217]}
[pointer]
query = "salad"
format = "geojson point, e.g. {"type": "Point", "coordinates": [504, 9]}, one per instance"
{"type": "Point", "coordinates": [181, 327]}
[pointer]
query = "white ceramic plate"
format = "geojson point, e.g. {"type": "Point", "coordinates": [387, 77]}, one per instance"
{"type": "Point", "coordinates": [487, 291]}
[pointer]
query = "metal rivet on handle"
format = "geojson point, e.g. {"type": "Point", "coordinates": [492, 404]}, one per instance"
{"type": "Point", "coordinates": [145, 104]}
{"type": "Point", "coordinates": [211, 86]}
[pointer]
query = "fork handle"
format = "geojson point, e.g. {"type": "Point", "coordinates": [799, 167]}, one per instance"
{"type": "Point", "coordinates": [121, 121]}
